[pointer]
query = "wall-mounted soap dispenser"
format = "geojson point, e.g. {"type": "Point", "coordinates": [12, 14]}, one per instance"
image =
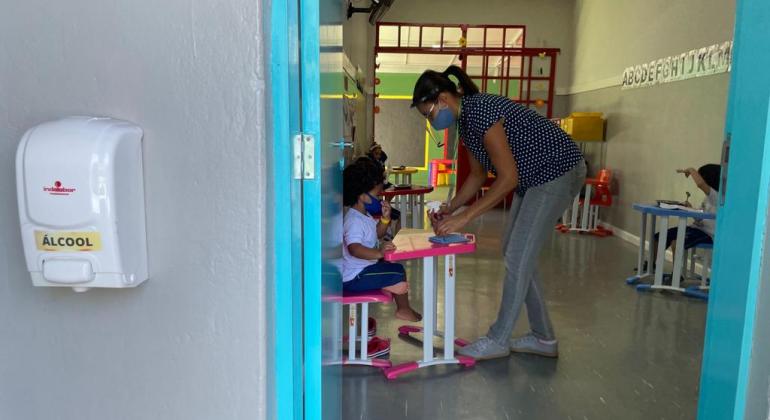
{"type": "Point", "coordinates": [81, 203]}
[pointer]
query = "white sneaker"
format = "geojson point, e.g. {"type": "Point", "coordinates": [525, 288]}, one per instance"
{"type": "Point", "coordinates": [484, 348]}
{"type": "Point", "coordinates": [533, 345]}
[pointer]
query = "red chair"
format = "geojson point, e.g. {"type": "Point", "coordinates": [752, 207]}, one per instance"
{"type": "Point", "coordinates": [605, 176]}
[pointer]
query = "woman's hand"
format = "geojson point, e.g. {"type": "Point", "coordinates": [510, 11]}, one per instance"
{"type": "Point", "coordinates": [687, 172]}
{"type": "Point", "coordinates": [441, 213]}
{"type": "Point", "coordinates": [450, 224]}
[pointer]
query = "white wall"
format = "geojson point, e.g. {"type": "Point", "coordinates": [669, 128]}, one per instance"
{"type": "Point", "coordinates": [650, 131]}
{"type": "Point", "coordinates": [611, 35]}
{"type": "Point", "coordinates": [189, 344]}
{"type": "Point", "coordinates": [358, 44]}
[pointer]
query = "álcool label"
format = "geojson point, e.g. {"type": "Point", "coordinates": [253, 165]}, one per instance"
{"type": "Point", "coordinates": [68, 241]}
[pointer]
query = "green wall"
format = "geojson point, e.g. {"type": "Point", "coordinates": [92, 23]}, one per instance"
{"type": "Point", "coordinates": [402, 84]}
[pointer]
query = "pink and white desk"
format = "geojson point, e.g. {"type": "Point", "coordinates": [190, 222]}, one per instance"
{"type": "Point", "coordinates": [414, 244]}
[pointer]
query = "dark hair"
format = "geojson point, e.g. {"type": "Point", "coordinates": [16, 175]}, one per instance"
{"type": "Point", "coordinates": [374, 168]}
{"type": "Point", "coordinates": [356, 180]}
{"type": "Point", "coordinates": [432, 83]}
{"type": "Point", "coordinates": [710, 173]}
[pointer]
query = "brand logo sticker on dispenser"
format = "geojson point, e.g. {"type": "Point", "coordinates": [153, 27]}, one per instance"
{"type": "Point", "coordinates": [58, 189]}
{"type": "Point", "coordinates": [68, 241]}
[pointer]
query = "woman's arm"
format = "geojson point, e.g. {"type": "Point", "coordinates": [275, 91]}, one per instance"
{"type": "Point", "coordinates": [471, 186]}
{"type": "Point", "coordinates": [496, 144]}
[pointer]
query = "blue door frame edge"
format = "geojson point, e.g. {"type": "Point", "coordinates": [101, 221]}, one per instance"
{"type": "Point", "coordinates": [311, 213]}
{"type": "Point", "coordinates": [286, 270]}
{"type": "Point", "coordinates": [741, 224]}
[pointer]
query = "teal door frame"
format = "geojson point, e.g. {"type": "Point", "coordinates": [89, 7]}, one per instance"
{"type": "Point", "coordinates": [740, 227]}
{"type": "Point", "coordinates": [282, 49]}
{"type": "Point", "coordinates": [741, 222]}
{"type": "Point", "coordinates": [305, 376]}
{"type": "Point", "coordinates": [322, 118]}
{"type": "Point", "coordinates": [312, 205]}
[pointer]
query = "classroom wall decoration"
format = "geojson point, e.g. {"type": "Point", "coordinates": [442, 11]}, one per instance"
{"type": "Point", "coordinates": [705, 61]}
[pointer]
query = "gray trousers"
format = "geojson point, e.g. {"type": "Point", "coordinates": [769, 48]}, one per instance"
{"type": "Point", "coordinates": [531, 222]}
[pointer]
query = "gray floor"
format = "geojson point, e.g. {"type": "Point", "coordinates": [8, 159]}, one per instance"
{"type": "Point", "coordinates": [624, 355]}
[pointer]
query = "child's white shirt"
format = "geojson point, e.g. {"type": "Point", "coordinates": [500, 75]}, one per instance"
{"type": "Point", "coordinates": [361, 229]}
{"type": "Point", "coordinates": [709, 205]}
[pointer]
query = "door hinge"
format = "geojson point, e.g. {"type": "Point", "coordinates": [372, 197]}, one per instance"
{"type": "Point", "coordinates": [304, 156]}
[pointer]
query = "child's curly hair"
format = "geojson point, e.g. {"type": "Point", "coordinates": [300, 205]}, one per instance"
{"type": "Point", "coordinates": [356, 180]}
{"type": "Point", "coordinates": [375, 169]}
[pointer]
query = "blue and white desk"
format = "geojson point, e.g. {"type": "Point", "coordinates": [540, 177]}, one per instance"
{"type": "Point", "coordinates": [652, 212]}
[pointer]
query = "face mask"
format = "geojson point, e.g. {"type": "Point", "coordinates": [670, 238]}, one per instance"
{"type": "Point", "coordinates": [375, 207]}
{"type": "Point", "coordinates": [444, 119]}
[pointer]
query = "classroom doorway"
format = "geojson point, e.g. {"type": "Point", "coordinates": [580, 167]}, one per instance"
{"type": "Point", "coordinates": [733, 383]}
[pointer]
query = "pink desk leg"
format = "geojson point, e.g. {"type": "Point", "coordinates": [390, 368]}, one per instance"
{"type": "Point", "coordinates": [428, 308]}
{"type": "Point", "coordinates": [429, 329]}
{"type": "Point", "coordinates": [449, 307]}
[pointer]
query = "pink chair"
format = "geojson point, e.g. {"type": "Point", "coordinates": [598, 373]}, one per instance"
{"type": "Point", "coordinates": [435, 169]}
{"type": "Point", "coordinates": [370, 348]}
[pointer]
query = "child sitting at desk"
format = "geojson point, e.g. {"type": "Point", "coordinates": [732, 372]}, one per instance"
{"type": "Point", "coordinates": [363, 268]}
{"type": "Point", "coordinates": [701, 231]}
{"type": "Point", "coordinates": [377, 173]}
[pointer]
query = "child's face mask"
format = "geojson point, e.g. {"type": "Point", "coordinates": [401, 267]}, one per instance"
{"type": "Point", "coordinates": [373, 206]}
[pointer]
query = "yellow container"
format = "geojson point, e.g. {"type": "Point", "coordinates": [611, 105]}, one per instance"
{"type": "Point", "coordinates": [584, 126]}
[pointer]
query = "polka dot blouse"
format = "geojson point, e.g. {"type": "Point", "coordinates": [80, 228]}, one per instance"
{"type": "Point", "coordinates": [542, 151]}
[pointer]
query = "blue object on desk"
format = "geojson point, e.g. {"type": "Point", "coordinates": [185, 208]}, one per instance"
{"type": "Point", "coordinates": [452, 238]}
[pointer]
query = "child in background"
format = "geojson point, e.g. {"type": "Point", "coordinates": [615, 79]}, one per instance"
{"type": "Point", "coordinates": [378, 155]}
{"type": "Point", "coordinates": [363, 268]}
{"type": "Point", "coordinates": [701, 231]}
